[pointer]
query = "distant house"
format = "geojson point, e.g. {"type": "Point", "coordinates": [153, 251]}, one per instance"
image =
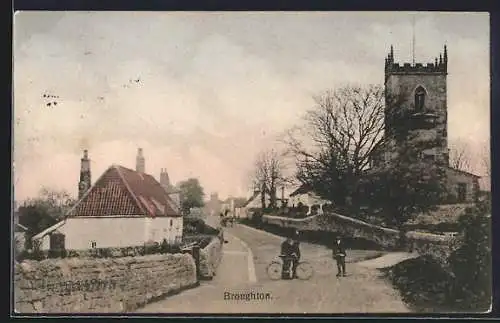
{"type": "Point", "coordinates": [306, 196]}
{"type": "Point", "coordinates": [20, 236]}
{"type": "Point", "coordinates": [253, 203]}
{"type": "Point", "coordinates": [213, 206]}
{"type": "Point", "coordinates": [21, 232]}
{"type": "Point", "coordinates": [123, 208]}
{"type": "Point", "coordinates": [233, 206]}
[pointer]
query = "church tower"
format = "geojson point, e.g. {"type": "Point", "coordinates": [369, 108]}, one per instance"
{"type": "Point", "coordinates": [140, 163]}
{"type": "Point", "coordinates": [85, 176]}
{"type": "Point", "coordinates": [416, 101]}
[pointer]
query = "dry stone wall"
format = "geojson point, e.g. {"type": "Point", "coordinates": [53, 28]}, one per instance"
{"type": "Point", "coordinates": [99, 285]}
{"type": "Point", "coordinates": [438, 246]}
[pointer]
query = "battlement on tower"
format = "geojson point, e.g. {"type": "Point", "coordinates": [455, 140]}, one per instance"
{"type": "Point", "coordinates": [440, 65]}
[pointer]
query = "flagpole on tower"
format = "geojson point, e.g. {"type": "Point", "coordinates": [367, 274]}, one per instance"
{"type": "Point", "coordinates": [413, 40]}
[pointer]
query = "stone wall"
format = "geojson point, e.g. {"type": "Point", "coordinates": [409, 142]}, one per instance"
{"type": "Point", "coordinates": [340, 224]}
{"type": "Point", "coordinates": [99, 285]}
{"type": "Point", "coordinates": [424, 243]}
{"type": "Point", "coordinates": [437, 246]}
{"type": "Point", "coordinates": [210, 257]}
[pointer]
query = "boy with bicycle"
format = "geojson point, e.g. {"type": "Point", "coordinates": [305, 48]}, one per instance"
{"type": "Point", "coordinates": [290, 252]}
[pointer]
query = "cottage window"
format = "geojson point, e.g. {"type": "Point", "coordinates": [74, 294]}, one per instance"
{"type": "Point", "coordinates": [171, 222]}
{"type": "Point", "coordinates": [419, 99]}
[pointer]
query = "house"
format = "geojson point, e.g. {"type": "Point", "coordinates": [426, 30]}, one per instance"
{"type": "Point", "coordinates": [20, 234]}
{"type": "Point", "coordinates": [214, 205]}
{"type": "Point", "coordinates": [234, 206]}
{"type": "Point", "coordinates": [307, 197]}
{"type": "Point", "coordinates": [123, 208]}
{"type": "Point", "coordinates": [253, 203]}
{"type": "Point", "coordinates": [20, 231]}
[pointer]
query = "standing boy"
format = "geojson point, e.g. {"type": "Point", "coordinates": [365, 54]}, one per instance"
{"type": "Point", "coordinates": [339, 254]}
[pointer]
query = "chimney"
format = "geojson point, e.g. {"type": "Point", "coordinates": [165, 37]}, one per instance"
{"type": "Point", "coordinates": [85, 175]}
{"type": "Point", "coordinates": [164, 179]}
{"type": "Point", "coordinates": [140, 163]}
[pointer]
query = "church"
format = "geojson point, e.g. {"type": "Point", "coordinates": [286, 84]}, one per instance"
{"type": "Point", "coordinates": [420, 92]}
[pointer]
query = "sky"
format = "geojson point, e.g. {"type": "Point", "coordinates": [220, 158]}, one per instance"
{"type": "Point", "coordinates": [204, 92]}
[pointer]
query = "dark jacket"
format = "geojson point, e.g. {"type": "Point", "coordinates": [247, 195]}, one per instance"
{"type": "Point", "coordinates": [287, 249]}
{"type": "Point", "coordinates": [338, 249]}
{"type": "Point", "coordinates": [296, 248]}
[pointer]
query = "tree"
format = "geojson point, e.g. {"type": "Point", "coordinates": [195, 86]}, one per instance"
{"type": "Point", "coordinates": [460, 156]}
{"type": "Point", "coordinates": [486, 159]}
{"type": "Point", "coordinates": [406, 187]}
{"type": "Point", "coordinates": [471, 262]}
{"type": "Point", "coordinates": [48, 208]}
{"type": "Point", "coordinates": [192, 194]}
{"type": "Point", "coordinates": [268, 175]}
{"type": "Point", "coordinates": [335, 145]}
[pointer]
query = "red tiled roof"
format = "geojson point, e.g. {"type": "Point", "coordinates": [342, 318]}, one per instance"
{"type": "Point", "coordinates": [124, 192]}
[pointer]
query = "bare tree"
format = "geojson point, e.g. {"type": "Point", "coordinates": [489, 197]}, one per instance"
{"type": "Point", "coordinates": [460, 156]}
{"type": "Point", "coordinates": [268, 175]}
{"type": "Point", "coordinates": [340, 134]}
{"type": "Point", "coordinates": [486, 159]}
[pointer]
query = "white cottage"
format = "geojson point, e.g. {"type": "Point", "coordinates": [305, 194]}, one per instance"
{"type": "Point", "coordinates": [252, 203]}
{"type": "Point", "coordinates": [123, 208]}
{"type": "Point", "coordinates": [305, 195]}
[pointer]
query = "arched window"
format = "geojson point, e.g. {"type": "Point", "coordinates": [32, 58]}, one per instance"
{"type": "Point", "coordinates": [419, 98]}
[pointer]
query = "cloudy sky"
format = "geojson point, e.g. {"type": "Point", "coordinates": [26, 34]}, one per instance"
{"type": "Point", "coordinates": [203, 93]}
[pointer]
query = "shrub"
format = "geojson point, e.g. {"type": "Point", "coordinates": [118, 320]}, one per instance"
{"type": "Point", "coordinates": [422, 283]}
{"type": "Point", "coordinates": [471, 262]}
{"type": "Point", "coordinates": [462, 285]}
{"type": "Point", "coordinates": [151, 247]}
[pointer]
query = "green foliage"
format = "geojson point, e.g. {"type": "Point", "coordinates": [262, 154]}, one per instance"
{"type": "Point", "coordinates": [465, 284]}
{"type": "Point", "coordinates": [329, 175]}
{"type": "Point", "coordinates": [471, 262]}
{"type": "Point", "coordinates": [401, 193]}
{"type": "Point", "coordinates": [407, 186]}
{"type": "Point", "coordinates": [422, 283]}
{"type": "Point", "coordinates": [192, 194]}
{"type": "Point", "coordinates": [47, 209]}
{"type": "Point", "coordinates": [193, 226]}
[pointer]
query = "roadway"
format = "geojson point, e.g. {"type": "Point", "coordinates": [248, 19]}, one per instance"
{"type": "Point", "coordinates": [243, 271]}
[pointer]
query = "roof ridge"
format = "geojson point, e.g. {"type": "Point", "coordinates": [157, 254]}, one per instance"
{"type": "Point", "coordinates": [87, 192]}
{"type": "Point", "coordinates": [132, 194]}
{"type": "Point", "coordinates": [254, 195]}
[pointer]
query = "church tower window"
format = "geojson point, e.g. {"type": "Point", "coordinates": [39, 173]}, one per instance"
{"type": "Point", "coordinates": [419, 99]}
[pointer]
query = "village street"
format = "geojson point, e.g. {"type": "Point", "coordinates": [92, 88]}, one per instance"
{"type": "Point", "coordinates": [243, 270]}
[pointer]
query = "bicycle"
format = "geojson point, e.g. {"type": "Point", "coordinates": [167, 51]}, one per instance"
{"type": "Point", "coordinates": [304, 269]}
